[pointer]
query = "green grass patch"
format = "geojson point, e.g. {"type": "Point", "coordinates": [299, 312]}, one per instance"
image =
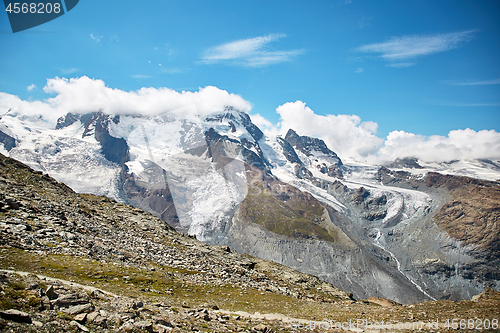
{"type": "Point", "coordinates": [293, 218]}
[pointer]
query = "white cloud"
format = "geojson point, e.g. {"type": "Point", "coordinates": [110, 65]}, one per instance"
{"type": "Point", "coordinates": [472, 83]}
{"type": "Point", "coordinates": [249, 52]}
{"type": "Point", "coordinates": [31, 87]}
{"type": "Point", "coordinates": [96, 38]}
{"type": "Point", "coordinates": [402, 64]}
{"type": "Point", "coordinates": [353, 139]}
{"type": "Point", "coordinates": [457, 145]}
{"type": "Point", "coordinates": [344, 134]}
{"type": "Point", "coordinates": [347, 135]}
{"type": "Point", "coordinates": [261, 122]}
{"type": "Point", "coordinates": [413, 46]}
{"type": "Point", "coordinates": [81, 95]}
{"type": "Point", "coordinates": [370, 126]}
{"type": "Point", "coordinates": [29, 108]}
{"type": "Point", "coordinates": [359, 70]}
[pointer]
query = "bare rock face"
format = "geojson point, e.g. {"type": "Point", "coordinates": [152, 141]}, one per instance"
{"type": "Point", "coordinates": [472, 215]}
{"type": "Point", "coordinates": [407, 162]}
{"type": "Point", "coordinates": [307, 145]}
{"type": "Point", "coordinates": [97, 124]}
{"type": "Point", "coordinates": [316, 150]}
{"type": "Point", "coordinates": [488, 294]}
{"type": "Point", "coordinates": [289, 152]}
{"type": "Point", "coordinates": [8, 141]}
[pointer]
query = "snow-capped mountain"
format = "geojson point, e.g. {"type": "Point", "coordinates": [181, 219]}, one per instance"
{"type": "Point", "coordinates": [371, 230]}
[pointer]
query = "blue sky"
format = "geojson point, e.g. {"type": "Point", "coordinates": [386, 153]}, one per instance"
{"type": "Point", "coordinates": [424, 67]}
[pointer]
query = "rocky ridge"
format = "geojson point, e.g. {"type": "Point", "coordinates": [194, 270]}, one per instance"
{"type": "Point", "coordinates": [317, 154]}
{"type": "Point", "coordinates": [95, 265]}
{"type": "Point", "coordinates": [199, 175]}
{"type": "Point", "coordinates": [47, 228]}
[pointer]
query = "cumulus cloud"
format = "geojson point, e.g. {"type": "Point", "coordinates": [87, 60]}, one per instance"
{"type": "Point", "coordinates": [31, 87]}
{"type": "Point", "coordinates": [398, 49]}
{"type": "Point", "coordinates": [347, 135]}
{"type": "Point", "coordinates": [261, 122]}
{"type": "Point", "coordinates": [353, 139]}
{"type": "Point", "coordinates": [457, 145]}
{"type": "Point", "coordinates": [80, 95]}
{"type": "Point", "coordinates": [249, 52]}
{"type": "Point", "coordinates": [344, 134]}
{"type": "Point", "coordinates": [29, 108]}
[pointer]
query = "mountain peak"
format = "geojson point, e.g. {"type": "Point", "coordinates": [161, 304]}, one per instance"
{"type": "Point", "coordinates": [407, 162]}
{"type": "Point", "coordinates": [307, 144]}
{"type": "Point", "coordinates": [317, 153]}
{"type": "Point", "coordinates": [96, 124]}
{"type": "Point", "coordinates": [234, 118]}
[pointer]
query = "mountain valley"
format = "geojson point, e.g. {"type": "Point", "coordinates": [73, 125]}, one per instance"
{"type": "Point", "coordinates": [79, 262]}
{"type": "Point", "coordinates": [401, 231]}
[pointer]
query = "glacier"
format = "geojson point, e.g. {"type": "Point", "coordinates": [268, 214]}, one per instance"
{"type": "Point", "coordinates": [196, 173]}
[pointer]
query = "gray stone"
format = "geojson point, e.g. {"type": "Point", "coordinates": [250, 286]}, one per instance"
{"type": "Point", "coordinates": [91, 316]}
{"type": "Point", "coordinates": [77, 309]}
{"type": "Point", "coordinates": [51, 293]}
{"type": "Point", "coordinates": [144, 326]}
{"type": "Point", "coordinates": [15, 315]}
{"type": "Point", "coordinates": [81, 318]}
{"type": "Point", "coordinates": [20, 228]}
{"type": "Point", "coordinates": [127, 327]}
{"type": "Point", "coordinates": [79, 326]}
{"type": "Point", "coordinates": [261, 328]}
{"type": "Point", "coordinates": [71, 300]}
{"type": "Point", "coordinates": [45, 303]}
{"type": "Point", "coordinates": [101, 321]}
{"type": "Point", "coordinates": [162, 329]}
{"type": "Point", "coordinates": [163, 322]}
{"type": "Point", "coordinates": [99, 294]}
{"type": "Point", "coordinates": [137, 305]}
{"type": "Point", "coordinates": [128, 315]}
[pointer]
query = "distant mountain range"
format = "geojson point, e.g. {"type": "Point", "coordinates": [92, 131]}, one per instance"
{"type": "Point", "coordinates": [408, 231]}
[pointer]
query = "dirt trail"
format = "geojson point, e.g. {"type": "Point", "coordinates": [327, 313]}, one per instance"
{"type": "Point", "coordinates": [299, 324]}
{"type": "Point", "coordinates": [65, 282]}
{"type": "Point", "coordinates": [263, 316]}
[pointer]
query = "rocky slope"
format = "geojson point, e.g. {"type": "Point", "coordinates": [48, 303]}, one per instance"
{"type": "Point", "coordinates": [370, 230]}
{"type": "Point", "coordinates": [93, 264]}
{"type": "Point", "coordinates": [47, 228]}
{"type": "Point", "coordinates": [473, 213]}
